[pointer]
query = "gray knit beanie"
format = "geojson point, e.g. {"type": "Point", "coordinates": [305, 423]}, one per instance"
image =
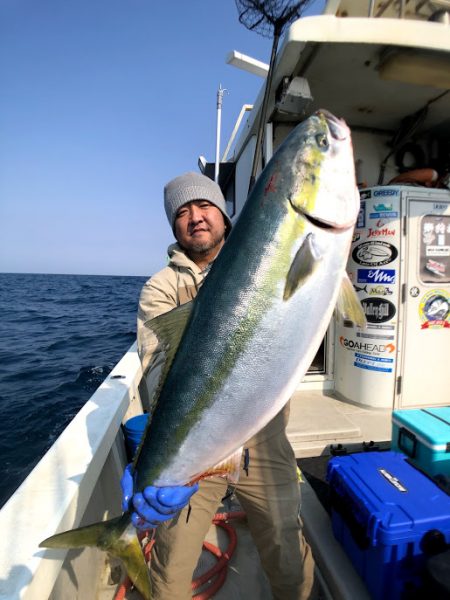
{"type": "Point", "coordinates": [192, 186]}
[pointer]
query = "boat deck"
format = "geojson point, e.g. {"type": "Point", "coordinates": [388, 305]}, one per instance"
{"type": "Point", "coordinates": [318, 420]}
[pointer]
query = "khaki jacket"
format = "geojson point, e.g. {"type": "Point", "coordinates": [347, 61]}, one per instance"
{"type": "Point", "coordinates": [174, 285]}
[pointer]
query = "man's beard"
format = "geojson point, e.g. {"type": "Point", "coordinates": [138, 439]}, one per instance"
{"type": "Point", "coordinates": [205, 247]}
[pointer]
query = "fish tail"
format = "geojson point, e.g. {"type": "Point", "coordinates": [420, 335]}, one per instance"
{"type": "Point", "coordinates": [118, 537]}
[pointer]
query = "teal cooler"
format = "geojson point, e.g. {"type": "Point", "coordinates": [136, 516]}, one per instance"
{"type": "Point", "coordinates": [390, 518]}
{"type": "Point", "coordinates": [424, 436]}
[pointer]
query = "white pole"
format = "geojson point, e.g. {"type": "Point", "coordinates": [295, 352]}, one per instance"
{"type": "Point", "coordinates": [220, 92]}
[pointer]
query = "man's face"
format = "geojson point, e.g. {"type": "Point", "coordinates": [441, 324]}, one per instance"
{"type": "Point", "coordinates": [199, 226]}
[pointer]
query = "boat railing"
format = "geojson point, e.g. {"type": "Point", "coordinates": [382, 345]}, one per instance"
{"type": "Point", "coordinates": [76, 482]}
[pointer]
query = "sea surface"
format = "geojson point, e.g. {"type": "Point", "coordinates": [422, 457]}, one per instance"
{"type": "Point", "coordinates": [60, 336]}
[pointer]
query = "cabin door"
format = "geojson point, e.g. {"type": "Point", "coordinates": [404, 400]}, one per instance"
{"type": "Point", "coordinates": [425, 376]}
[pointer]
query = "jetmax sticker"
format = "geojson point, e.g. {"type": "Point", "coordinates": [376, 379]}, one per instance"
{"type": "Point", "coordinates": [378, 310]}
{"type": "Point", "coordinates": [383, 276]}
{"type": "Point", "coordinates": [366, 346]}
{"type": "Point", "coordinates": [374, 254]}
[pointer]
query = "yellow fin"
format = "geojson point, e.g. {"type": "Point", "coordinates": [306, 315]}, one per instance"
{"type": "Point", "coordinates": [348, 305]}
{"type": "Point", "coordinates": [303, 265]}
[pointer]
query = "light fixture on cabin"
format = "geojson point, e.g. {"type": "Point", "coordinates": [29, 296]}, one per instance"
{"type": "Point", "coordinates": [247, 63]}
{"type": "Point", "coordinates": [293, 96]}
{"type": "Point", "coordinates": [419, 67]}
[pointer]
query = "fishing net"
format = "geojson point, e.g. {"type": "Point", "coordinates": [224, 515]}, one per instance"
{"type": "Point", "coordinates": [268, 18]}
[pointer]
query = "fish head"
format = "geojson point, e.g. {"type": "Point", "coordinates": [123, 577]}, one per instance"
{"type": "Point", "coordinates": [323, 184]}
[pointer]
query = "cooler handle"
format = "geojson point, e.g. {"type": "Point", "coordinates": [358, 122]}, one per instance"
{"type": "Point", "coordinates": [407, 442]}
{"type": "Point", "coordinates": [347, 511]}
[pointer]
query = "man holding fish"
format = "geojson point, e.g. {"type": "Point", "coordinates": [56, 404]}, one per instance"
{"type": "Point", "coordinates": [267, 485]}
{"type": "Point", "coordinates": [224, 366]}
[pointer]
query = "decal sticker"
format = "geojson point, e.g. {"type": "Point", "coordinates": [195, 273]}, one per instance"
{"type": "Point", "coordinates": [386, 276]}
{"type": "Point", "coordinates": [373, 363]}
{"type": "Point", "coordinates": [434, 259]}
{"type": "Point", "coordinates": [434, 310]}
{"type": "Point", "coordinates": [356, 237]}
{"type": "Point", "coordinates": [365, 194]}
{"type": "Point", "coordinates": [393, 480]}
{"type": "Point", "coordinates": [361, 220]}
{"type": "Point", "coordinates": [414, 291]}
{"type": "Point", "coordinates": [374, 254]}
{"type": "Point", "coordinates": [374, 336]}
{"type": "Point", "coordinates": [383, 210]}
{"type": "Point", "coordinates": [376, 349]}
{"type": "Point", "coordinates": [378, 310]}
{"type": "Point", "coordinates": [438, 250]}
{"type": "Point", "coordinates": [385, 192]}
{"type": "Point", "coordinates": [435, 267]}
{"type": "Point", "coordinates": [384, 232]}
{"type": "Point", "coordinates": [374, 290]}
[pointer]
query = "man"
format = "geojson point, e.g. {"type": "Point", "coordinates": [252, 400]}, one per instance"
{"type": "Point", "coordinates": [268, 489]}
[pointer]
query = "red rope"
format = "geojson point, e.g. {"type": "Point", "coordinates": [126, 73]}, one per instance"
{"type": "Point", "coordinates": [217, 571]}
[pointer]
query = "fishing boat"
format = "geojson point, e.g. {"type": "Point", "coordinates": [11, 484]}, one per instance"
{"type": "Point", "coordinates": [384, 67]}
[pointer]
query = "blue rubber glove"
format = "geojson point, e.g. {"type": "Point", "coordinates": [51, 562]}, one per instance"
{"type": "Point", "coordinates": [154, 504]}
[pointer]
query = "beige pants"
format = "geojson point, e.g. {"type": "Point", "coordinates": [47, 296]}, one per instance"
{"type": "Point", "coordinates": [270, 496]}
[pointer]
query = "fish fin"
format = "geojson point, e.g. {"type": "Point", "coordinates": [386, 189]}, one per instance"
{"type": "Point", "coordinates": [168, 328]}
{"type": "Point", "coordinates": [229, 468]}
{"type": "Point", "coordinates": [303, 265]}
{"type": "Point", "coordinates": [118, 537]}
{"type": "Point", "coordinates": [348, 304]}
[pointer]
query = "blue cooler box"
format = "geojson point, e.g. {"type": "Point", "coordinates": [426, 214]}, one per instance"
{"type": "Point", "coordinates": [388, 516]}
{"type": "Point", "coordinates": [424, 436]}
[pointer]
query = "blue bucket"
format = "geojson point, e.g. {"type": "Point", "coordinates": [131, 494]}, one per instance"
{"type": "Point", "coordinates": [133, 431]}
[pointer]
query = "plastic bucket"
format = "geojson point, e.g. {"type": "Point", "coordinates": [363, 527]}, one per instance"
{"type": "Point", "coordinates": [133, 431]}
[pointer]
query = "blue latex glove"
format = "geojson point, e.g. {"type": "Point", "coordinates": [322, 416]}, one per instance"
{"type": "Point", "coordinates": [154, 504]}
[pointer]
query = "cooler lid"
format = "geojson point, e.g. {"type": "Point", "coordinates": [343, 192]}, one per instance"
{"type": "Point", "coordinates": [431, 426]}
{"type": "Point", "coordinates": [396, 501]}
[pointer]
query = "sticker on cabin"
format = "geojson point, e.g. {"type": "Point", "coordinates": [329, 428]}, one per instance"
{"type": "Point", "coordinates": [383, 210]}
{"type": "Point", "coordinates": [373, 348]}
{"type": "Point", "coordinates": [381, 231]}
{"type": "Point", "coordinates": [374, 254]}
{"type": "Point", "coordinates": [434, 257]}
{"type": "Point", "coordinates": [378, 310]}
{"type": "Point", "coordinates": [376, 276]}
{"type": "Point", "coordinates": [434, 310]}
{"type": "Point", "coordinates": [375, 336]}
{"type": "Point", "coordinates": [375, 290]}
{"type": "Point", "coordinates": [373, 363]}
{"type": "Point", "coordinates": [361, 220]}
{"type": "Point", "coordinates": [414, 291]}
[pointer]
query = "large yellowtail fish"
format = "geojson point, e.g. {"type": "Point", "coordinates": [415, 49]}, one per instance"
{"type": "Point", "coordinates": [236, 354]}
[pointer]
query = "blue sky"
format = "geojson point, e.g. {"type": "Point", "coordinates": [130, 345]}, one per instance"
{"type": "Point", "coordinates": [101, 103]}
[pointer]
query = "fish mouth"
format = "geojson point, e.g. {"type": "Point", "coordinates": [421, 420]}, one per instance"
{"type": "Point", "coordinates": [322, 223]}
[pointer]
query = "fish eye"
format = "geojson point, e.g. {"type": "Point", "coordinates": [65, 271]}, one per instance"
{"type": "Point", "coordinates": [322, 141]}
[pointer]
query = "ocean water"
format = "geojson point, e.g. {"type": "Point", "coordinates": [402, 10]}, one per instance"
{"type": "Point", "coordinates": [60, 336]}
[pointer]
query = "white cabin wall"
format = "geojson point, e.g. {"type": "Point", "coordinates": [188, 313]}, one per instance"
{"type": "Point", "coordinates": [243, 170]}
